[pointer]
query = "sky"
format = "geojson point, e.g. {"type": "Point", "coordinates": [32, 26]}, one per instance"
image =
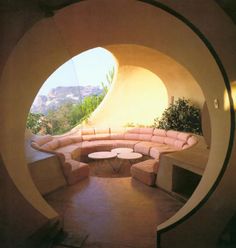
{"type": "Point", "coordinates": [87, 68]}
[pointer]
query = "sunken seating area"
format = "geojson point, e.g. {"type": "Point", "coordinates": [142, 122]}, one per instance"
{"type": "Point", "coordinates": [74, 147]}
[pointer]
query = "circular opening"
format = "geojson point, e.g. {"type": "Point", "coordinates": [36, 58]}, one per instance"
{"type": "Point", "coordinates": [72, 92]}
{"type": "Point", "coordinates": [194, 55]}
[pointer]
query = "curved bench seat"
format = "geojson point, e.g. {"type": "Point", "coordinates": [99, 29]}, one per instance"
{"type": "Point", "coordinates": [148, 141]}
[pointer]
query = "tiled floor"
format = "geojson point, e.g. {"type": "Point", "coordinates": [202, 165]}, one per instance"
{"type": "Point", "coordinates": [114, 212]}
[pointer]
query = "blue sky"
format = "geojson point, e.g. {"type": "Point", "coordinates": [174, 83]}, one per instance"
{"type": "Point", "coordinates": [87, 68]}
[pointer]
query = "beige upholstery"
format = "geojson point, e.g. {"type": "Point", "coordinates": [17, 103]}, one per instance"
{"type": "Point", "coordinates": [148, 141]}
{"type": "Point", "coordinates": [145, 171]}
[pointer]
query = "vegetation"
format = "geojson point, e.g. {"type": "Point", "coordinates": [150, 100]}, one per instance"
{"type": "Point", "coordinates": [182, 115]}
{"type": "Point", "coordinates": [38, 123]}
{"type": "Point", "coordinates": [68, 115]}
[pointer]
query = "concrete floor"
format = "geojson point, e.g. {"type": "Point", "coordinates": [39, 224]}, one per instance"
{"type": "Point", "coordinates": [114, 212]}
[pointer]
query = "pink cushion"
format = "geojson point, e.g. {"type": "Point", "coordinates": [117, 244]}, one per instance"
{"type": "Point", "coordinates": [131, 136]}
{"type": "Point", "coordinates": [159, 132]}
{"type": "Point", "coordinates": [179, 143]}
{"type": "Point", "coordinates": [67, 149]}
{"type": "Point", "coordinates": [86, 131]}
{"type": "Point", "coordinates": [145, 137]}
{"type": "Point", "coordinates": [124, 143]}
{"type": "Point", "coordinates": [183, 136]}
{"type": "Point", "coordinates": [166, 149]}
{"type": "Point", "coordinates": [102, 136]}
{"type": "Point", "coordinates": [102, 130]}
{"type": "Point", "coordinates": [169, 141]}
{"type": "Point", "coordinates": [117, 130]}
{"type": "Point", "coordinates": [88, 137]}
{"type": "Point", "coordinates": [146, 130]}
{"type": "Point", "coordinates": [185, 146]}
{"type": "Point", "coordinates": [158, 139]}
{"type": "Point", "coordinates": [172, 134]}
{"type": "Point", "coordinates": [41, 140]}
{"type": "Point", "coordinates": [35, 145]}
{"type": "Point", "coordinates": [145, 171]}
{"type": "Point", "coordinates": [78, 171]}
{"type": "Point", "coordinates": [159, 149]}
{"type": "Point", "coordinates": [143, 147]}
{"type": "Point", "coordinates": [154, 153]}
{"type": "Point", "coordinates": [133, 130]}
{"type": "Point", "coordinates": [192, 141]}
{"type": "Point", "coordinates": [117, 136]}
{"type": "Point", "coordinates": [65, 141]}
{"type": "Point", "coordinates": [76, 138]}
{"type": "Point", "coordinates": [54, 144]}
{"type": "Point", "coordinates": [46, 147]}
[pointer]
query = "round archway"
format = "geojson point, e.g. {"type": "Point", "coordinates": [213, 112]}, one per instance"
{"type": "Point", "coordinates": [52, 41]}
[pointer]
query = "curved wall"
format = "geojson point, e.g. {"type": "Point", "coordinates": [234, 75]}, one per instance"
{"type": "Point", "coordinates": [177, 79]}
{"type": "Point", "coordinates": [137, 96]}
{"type": "Point", "coordinates": [143, 94]}
{"type": "Point", "coordinates": [86, 25]}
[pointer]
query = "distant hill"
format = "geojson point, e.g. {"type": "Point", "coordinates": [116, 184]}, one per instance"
{"type": "Point", "coordinates": [61, 95]}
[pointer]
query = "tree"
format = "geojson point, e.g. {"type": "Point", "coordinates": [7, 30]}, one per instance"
{"type": "Point", "coordinates": [180, 116]}
{"type": "Point", "coordinates": [109, 77]}
{"type": "Point", "coordinates": [68, 115]}
{"type": "Point", "coordinates": [38, 123]}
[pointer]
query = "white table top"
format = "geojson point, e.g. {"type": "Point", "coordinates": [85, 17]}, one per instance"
{"type": "Point", "coordinates": [122, 150]}
{"type": "Point", "coordinates": [102, 155]}
{"type": "Point", "coordinates": [130, 155]}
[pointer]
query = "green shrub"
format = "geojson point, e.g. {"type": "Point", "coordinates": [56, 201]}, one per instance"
{"type": "Point", "coordinates": [180, 116]}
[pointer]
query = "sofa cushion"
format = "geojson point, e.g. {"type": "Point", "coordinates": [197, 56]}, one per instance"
{"type": "Point", "coordinates": [156, 151]}
{"type": "Point", "coordinates": [78, 171]}
{"type": "Point", "coordinates": [143, 147]}
{"type": "Point", "coordinates": [159, 132]}
{"type": "Point", "coordinates": [54, 144]}
{"type": "Point", "coordinates": [102, 136]}
{"type": "Point", "coordinates": [117, 130]}
{"type": "Point", "coordinates": [172, 134]}
{"type": "Point", "coordinates": [124, 143]}
{"type": "Point", "coordinates": [169, 141]}
{"type": "Point", "coordinates": [131, 136]}
{"type": "Point", "coordinates": [41, 140]}
{"type": "Point", "coordinates": [97, 143]}
{"type": "Point", "coordinates": [117, 136]}
{"type": "Point", "coordinates": [145, 137]}
{"type": "Point", "coordinates": [145, 171]}
{"type": "Point", "coordinates": [65, 141]}
{"type": "Point", "coordinates": [72, 149]}
{"type": "Point", "coordinates": [35, 145]}
{"type": "Point", "coordinates": [146, 130]}
{"type": "Point", "coordinates": [158, 139]}
{"type": "Point", "coordinates": [76, 138]}
{"type": "Point", "coordinates": [183, 136]}
{"type": "Point", "coordinates": [87, 131]}
{"type": "Point", "coordinates": [117, 133]}
{"type": "Point", "coordinates": [192, 141]}
{"type": "Point", "coordinates": [133, 130]}
{"type": "Point", "coordinates": [179, 144]}
{"type": "Point", "coordinates": [88, 137]}
{"type": "Point", "coordinates": [102, 130]}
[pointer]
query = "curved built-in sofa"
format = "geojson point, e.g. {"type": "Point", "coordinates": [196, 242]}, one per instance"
{"type": "Point", "coordinates": [74, 147]}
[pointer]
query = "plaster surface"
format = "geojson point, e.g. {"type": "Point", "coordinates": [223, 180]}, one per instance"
{"type": "Point", "coordinates": [93, 23]}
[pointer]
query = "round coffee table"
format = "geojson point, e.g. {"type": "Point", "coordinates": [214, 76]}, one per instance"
{"type": "Point", "coordinates": [130, 156]}
{"type": "Point", "coordinates": [122, 150]}
{"type": "Point", "coordinates": [102, 157]}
